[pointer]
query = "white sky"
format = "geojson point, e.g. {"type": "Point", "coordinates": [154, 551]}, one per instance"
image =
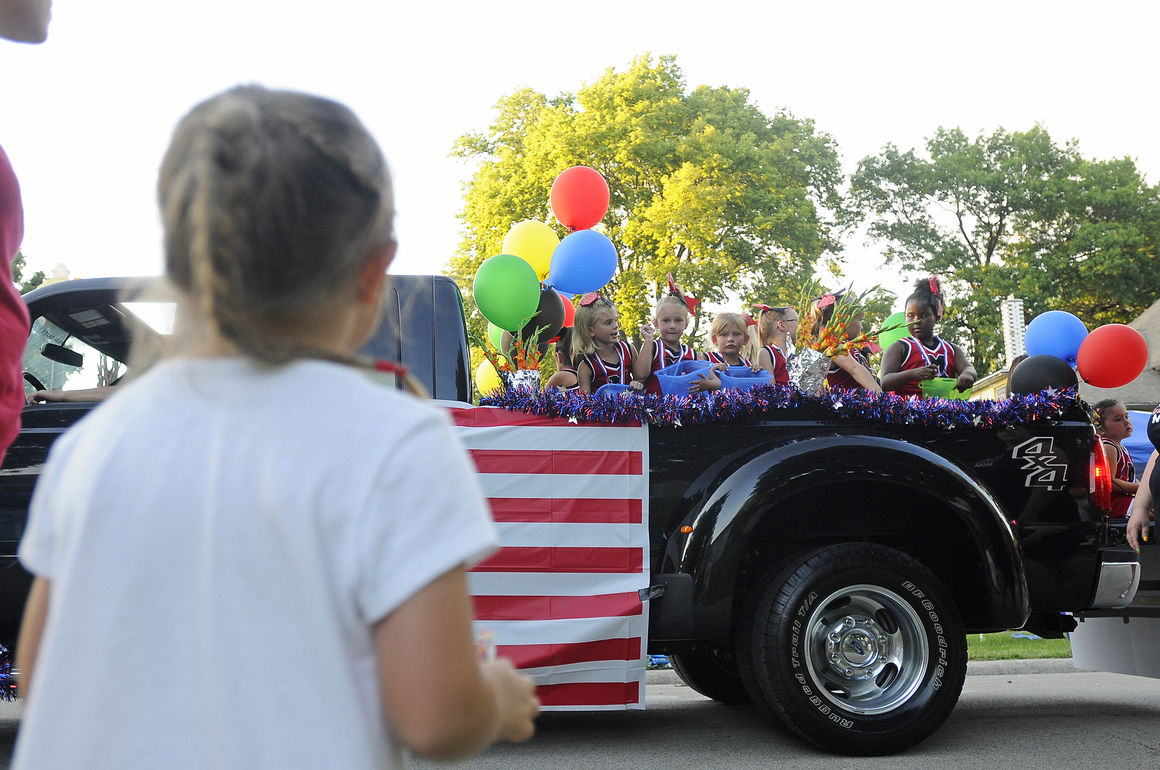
{"type": "Point", "coordinates": [86, 116]}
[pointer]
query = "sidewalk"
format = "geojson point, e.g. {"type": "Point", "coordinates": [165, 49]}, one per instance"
{"type": "Point", "coordinates": [974, 668]}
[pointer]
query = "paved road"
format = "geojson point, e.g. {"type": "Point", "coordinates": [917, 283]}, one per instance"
{"type": "Point", "coordinates": [1007, 717]}
{"type": "Point", "coordinates": [1026, 714]}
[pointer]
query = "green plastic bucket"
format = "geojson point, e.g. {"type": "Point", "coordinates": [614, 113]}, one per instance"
{"type": "Point", "coordinates": [943, 387]}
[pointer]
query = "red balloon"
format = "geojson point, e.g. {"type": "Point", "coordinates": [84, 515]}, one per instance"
{"type": "Point", "coordinates": [1112, 355]}
{"type": "Point", "coordinates": [579, 197]}
{"type": "Point", "coordinates": [569, 312]}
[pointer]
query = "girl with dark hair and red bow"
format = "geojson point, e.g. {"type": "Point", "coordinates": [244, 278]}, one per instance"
{"type": "Point", "coordinates": [601, 357]}
{"type": "Point", "coordinates": [922, 355]}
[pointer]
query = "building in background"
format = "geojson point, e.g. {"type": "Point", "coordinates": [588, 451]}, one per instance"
{"type": "Point", "coordinates": [994, 385]}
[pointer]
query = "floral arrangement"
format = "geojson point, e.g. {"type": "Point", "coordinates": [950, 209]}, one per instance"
{"type": "Point", "coordinates": [526, 354]}
{"type": "Point", "coordinates": [830, 339]}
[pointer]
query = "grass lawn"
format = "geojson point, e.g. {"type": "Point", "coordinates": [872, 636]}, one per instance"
{"type": "Point", "coordinates": [1004, 646]}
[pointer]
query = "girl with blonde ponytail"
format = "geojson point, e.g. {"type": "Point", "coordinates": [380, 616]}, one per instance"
{"type": "Point", "coordinates": [224, 529]}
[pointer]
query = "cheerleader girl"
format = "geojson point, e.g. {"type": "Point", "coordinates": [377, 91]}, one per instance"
{"type": "Point", "coordinates": [729, 334]}
{"type": "Point", "coordinates": [1115, 426]}
{"type": "Point", "coordinates": [776, 326]}
{"type": "Point", "coordinates": [670, 319]}
{"type": "Point", "coordinates": [848, 371]}
{"type": "Point", "coordinates": [565, 377]}
{"type": "Point", "coordinates": [922, 355]}
{"type": "Point", "coordinates": [600, 356]}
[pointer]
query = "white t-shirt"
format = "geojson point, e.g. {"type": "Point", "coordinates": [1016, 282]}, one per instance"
{"type": "Point", "coordinates": [220, 537]}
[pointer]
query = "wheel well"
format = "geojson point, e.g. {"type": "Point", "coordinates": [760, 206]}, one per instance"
{"type": "Point", "coordinates": [906, 518]}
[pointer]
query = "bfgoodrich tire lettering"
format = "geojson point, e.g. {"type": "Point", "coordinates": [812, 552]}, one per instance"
{"type": "Point", "coordinates": [857, 648]}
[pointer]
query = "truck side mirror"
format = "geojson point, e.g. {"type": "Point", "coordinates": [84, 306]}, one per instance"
{"type": "Point", "coordinates": [62, 355]}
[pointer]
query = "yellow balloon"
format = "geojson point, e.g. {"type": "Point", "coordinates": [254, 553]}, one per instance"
{"type": "Point", "coordinates": [533, 242]}
{"type": "Point", "coordinates": [487, 379]}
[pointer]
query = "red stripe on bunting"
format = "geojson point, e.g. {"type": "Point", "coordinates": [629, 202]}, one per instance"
{"type": "Point", "coordinates": [556, 607]}
{"type": "Point", "coordinates": [589, 694]}
{"type": "Point", "coordinates": [544, 559]}
{"type": "Point", "coordinates": [567, 511]}
{"type": "Point", "coordinates": [487, 417]}
{"type": "Point", "coordinates": [600, 463]}
{"type": "Point", "coordinates": [542, 655]}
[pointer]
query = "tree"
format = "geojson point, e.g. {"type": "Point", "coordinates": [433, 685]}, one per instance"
{"type": "Point", "coordinates": [18, 265]}
{"type": "Point", "coordinates": [702, 183]}
{"type": "Point", "coordinates": [1014, 213]}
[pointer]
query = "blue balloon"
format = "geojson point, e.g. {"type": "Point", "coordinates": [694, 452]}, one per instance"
{"type": "Point", "coordinates": [583, 262]}
{"type": "Point", "coordinates": [1055, 333]}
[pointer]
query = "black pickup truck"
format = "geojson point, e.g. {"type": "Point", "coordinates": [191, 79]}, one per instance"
{"type": "Point", "coordinates": [825, 567]}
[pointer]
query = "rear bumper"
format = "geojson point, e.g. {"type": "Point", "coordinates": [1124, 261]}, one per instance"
{"type": "Point", "coordinates": [1116, 584]}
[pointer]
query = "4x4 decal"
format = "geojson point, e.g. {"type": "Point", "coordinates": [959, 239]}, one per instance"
{"type": "Point", "coordinates": [1047, 468]}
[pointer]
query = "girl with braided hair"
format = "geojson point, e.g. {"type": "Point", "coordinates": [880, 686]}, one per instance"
{"type": "Point", "coordinates": [922, 355]}
{"type": "Point", "coordinates": [260, 573]}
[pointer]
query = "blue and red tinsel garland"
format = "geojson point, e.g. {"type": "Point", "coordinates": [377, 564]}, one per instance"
{"type": "Point", "coordinates": [730, 405]}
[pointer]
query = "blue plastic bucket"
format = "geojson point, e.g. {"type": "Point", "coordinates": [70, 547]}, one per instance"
{"type": "Point", "coordinates": [742, 377]}
{"type": "Point", "coordinates": [676, 379]}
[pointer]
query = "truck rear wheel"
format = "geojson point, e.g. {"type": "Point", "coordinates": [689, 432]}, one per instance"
{"type": "Point", "coordinates": [708, 672]}
{"type": "Point", "coordinates": [856, 647]}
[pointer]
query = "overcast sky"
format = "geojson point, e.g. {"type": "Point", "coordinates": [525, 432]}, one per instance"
{"type": "Point", "coordinates": [86, 117]}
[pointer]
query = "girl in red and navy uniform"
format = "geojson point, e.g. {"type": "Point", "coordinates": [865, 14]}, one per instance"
{"type": "Point", "coordinates": [1114, 426]}
{"type": "Point", "coordinates": [850, 370]}
{"type": "Point", "coordinates": [661, 344]}
{"type": "Point", "coordinates": [601, 357]}
{"type": "Point", "coordinates": [922, 355]}
{"type": "Point", "coordinates": [776, 325]}
{"type": "Point", "coordinates": [729, 333]}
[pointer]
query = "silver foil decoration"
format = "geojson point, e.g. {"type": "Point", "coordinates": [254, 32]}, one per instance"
{"type": "Point", "coordinates": [807, 370]}
{"type": "Point", "coordinates": [521, 378]}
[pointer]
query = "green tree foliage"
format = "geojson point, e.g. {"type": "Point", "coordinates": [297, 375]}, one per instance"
{"type": "Point", "coordinates": [22, 285]}
{"type": "Point", "coordinates": [702, 184]}
{"type": "Point", "coordinates": [1014, 213]}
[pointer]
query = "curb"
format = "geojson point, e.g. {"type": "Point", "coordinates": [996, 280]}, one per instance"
{"type": "Point", "coordinates": [663, 676]}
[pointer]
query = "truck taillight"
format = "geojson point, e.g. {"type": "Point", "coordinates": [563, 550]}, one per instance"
{"type": "Point", "coordinates": [1101, 478]}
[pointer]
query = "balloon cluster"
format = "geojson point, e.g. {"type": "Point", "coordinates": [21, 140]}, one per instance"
{"type": "Point", "coordinates": [1058, 343]}
{"type": "Point", "coordinates": [521, 291]}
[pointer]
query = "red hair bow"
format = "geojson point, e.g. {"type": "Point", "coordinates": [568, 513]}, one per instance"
{"type": "Point", "coordinates": [826, 300]}
{"type": "Point", "coordinates": [691, 302]}
{"type": "Point", "coordinates": [935, 289]}
{"type": "Point", "coordinates": [763, 308]}
{"type": "Point", "coordinates": [749, 320]}
{"type": "Point", "coordinates": [589, 298]}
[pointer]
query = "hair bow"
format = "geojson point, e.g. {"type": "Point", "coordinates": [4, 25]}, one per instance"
{"type": "Point", "coordinates": [749, 320]}
{"type": "Point", "coordinates": [936, 292]}
{"type": "Point", "coordinates": [691, 302]}
{"type": "Point", "coordinates": [589, 298]}
{"type": "Point", "coordinates": [826, 300]}
{"type": "Point", "coordinates": [763, 308]}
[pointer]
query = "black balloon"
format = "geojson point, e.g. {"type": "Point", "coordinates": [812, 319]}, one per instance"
{"type": "Point", "coordinates": [1042, 371]}
{"type": "Point", "coordinates": [550, 313]}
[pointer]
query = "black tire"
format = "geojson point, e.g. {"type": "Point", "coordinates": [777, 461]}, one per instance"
{"type": "Point", "coordinates": [857, 648]}
{"type": "Point", "coordinates": [711, 673]}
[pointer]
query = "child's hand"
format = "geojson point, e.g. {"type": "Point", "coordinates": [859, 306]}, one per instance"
{"type": "Point", "coordinates": [647, 333]}
{"type": "Point", "coordinates": [925, 372]}
{"type": "Point", "coordinates": [636, 385]}
{"type": "Point", "coordinates": [515, 694]}
{"type": "Point", "coordinates": [704, 383]}
{"type": "Point", "coordinates": [965, 381]}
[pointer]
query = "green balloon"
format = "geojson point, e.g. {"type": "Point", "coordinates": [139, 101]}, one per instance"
{"type": "Point", "coordinates": [495, 334]}
{"type": "Point", "coordinates": [507, 291]}
{"type": "Point", "coordinates": [886, 339]}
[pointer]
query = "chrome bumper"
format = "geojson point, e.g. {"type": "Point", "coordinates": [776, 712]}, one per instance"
{"type": "Point", "coordinates": [1117, 584]}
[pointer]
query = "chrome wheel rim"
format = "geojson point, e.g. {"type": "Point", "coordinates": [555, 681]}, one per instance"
{"type": "Point", "coordinates": [866, 648]}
